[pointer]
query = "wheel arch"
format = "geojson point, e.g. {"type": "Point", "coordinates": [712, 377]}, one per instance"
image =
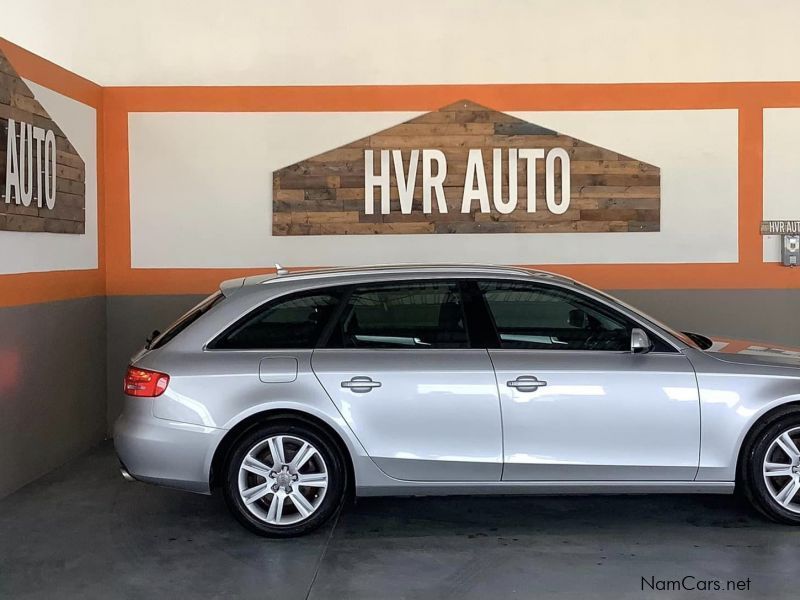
{"type": "Point", "coordinates": [761, 423]}
{"type": "Point", "coordinates": [265, 416]}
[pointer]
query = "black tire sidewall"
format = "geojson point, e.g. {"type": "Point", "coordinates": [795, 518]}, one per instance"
{"type": "Point", "coordinates": [757, 490]}
{"type": "Point", "coordinates": [334, 495]}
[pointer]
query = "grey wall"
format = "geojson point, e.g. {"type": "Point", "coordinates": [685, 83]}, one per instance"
{"type": "Point", "coordinates": [52, 386]}
{"type": "Point", "coordinates": [131, 319]}
{"type": "Point", "coordinates": [761, 315]}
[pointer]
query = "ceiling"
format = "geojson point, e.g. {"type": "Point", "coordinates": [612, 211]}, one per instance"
{"type": "Point", "coordinates": [266, 42]}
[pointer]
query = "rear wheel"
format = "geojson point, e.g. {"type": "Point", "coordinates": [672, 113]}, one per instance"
{"type": "Point", "coordinates": [772, 471]}
{"type": "Point", "coordinates": [284, 479]}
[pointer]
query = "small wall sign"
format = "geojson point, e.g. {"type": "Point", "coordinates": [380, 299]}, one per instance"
{"type": "Point", "coordinates": [42, 177]}
{"type": "Point", "coordinates": [780, 227]}
{"type": "Point", "coordinates": [466, 168]}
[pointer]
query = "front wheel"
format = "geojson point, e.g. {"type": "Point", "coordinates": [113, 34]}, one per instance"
{"type": "Point", "coordinates": [772, 471]}
{"type": "Point", "coordinates": [284, 479]}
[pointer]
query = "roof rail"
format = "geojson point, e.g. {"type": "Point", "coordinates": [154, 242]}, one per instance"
{"type": "Point", "coordinates": [367, 269]}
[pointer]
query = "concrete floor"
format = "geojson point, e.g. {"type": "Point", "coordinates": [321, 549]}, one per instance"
{"type": "Point", "coordinates": [82, 532]}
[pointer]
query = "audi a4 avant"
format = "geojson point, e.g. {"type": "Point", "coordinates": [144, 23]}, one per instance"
{"type": "Point", "coordinates": [291, 391]}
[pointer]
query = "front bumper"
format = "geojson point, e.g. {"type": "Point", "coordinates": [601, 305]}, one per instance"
{"type": "Point", "coordinates": [164, 452]}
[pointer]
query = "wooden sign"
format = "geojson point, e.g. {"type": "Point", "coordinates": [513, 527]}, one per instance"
{"type": "Point", "coordinates": [780, 227]}
{"type": "Point", "coordinates": [42, 177]}
{"type": "Point", "coordinates": [466, 169]}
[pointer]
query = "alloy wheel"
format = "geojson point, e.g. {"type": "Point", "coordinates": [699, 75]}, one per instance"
{"type": "Point", "coordinates": [782, 469]}
{"type": "Point", "coordinates": [283, 480]}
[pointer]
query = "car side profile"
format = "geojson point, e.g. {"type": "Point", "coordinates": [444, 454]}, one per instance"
{"type": "Point", "coordinates": [291, 391]}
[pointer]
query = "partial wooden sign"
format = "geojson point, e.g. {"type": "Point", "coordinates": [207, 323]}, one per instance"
{"type": "Point", "coordinates": [42, 176]}
{"type": "Point", "coordinates": [466, 168]}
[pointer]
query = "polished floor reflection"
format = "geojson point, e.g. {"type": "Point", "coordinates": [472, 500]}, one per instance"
{"type": "Point", "coordinates": [82, 532]}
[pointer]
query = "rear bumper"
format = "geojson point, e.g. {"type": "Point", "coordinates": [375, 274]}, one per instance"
{"type": "Point", "coordinates": [162, 452]}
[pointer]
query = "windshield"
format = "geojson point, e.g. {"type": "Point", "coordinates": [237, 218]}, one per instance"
{"type": "Point", "coordinates": [683, 337]}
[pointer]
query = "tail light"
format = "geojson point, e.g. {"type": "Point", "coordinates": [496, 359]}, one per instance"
{"type": "Point", "coordinates": [146, 383]}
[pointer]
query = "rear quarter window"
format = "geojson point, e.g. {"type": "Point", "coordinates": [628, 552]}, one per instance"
{"type": "Point", "coordinates": [187, 319]}
{"type": "Point", "coordinates": [290, 322]}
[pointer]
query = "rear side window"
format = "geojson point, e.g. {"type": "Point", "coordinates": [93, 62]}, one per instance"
{"type": "Point", "coordinates": [405, 315]}
{"type": "Point", "coordinates": [294, 321]}
{"type": "Point", "coordinates": [187, 319]}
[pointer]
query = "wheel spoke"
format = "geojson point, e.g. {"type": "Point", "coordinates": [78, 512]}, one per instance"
{"type": "Point", "coordinates": [303, 456]}
{"type": "Point", "coordinates": [276, 449]}
{"type": "Point", "coordinates": [302, 505]}
{"type": "Point", "coordinates": [319, 480]}
{"type": "Point", "coordinates": [255, 466]}
{"type": "Point", "coordinates": [789, 491]}
{"type": "Point", "coordinates": [276, 508]}
{"type": "Point", "coordinates": [772, 469]}
{"type": "Point", "coordinates": [254, 493]}
{"type": "Point", "coordinates": [789, 447]}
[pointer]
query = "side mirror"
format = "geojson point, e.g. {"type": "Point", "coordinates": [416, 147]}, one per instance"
{"type": "Point", "coordinates": [640, 343]}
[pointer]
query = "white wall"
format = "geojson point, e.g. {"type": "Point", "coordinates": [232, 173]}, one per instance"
{"type": "Point", "coordinates": [201, 190]}
{"type": "Point", "coordinates": [781, 173]}
{"type": "Point", "coordinates": [23, 252]}
{"type": "Point", "coordinates": [249, 42]}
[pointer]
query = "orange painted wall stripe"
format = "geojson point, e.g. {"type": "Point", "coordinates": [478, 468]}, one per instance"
{"type": "Point", "coordinates": [751, 184]}
{"type": "Point", "coordinates": [50, 75]}
{"type": "Point", "coordinates": [117, 220]}
{"type": "Point", "coordinates": [700, 276]}
{"type": "Point", "coordinates": [506, 97]}
{"type": "Point", "coordinates": [32, 288]}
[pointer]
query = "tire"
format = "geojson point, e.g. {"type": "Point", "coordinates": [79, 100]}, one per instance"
{"type": "Point", "coordinates": [777, 495]}
{"type": "Point", "coordinates": [301, 503]}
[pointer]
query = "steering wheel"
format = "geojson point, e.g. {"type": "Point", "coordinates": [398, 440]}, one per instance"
{"type": "Point", "coordinates": [596, 337]}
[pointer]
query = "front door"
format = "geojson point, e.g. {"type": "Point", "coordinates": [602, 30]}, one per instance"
{"type": "Point", "coordinates": [399, 367]}
{"type": "Point", "coordinates": [577, 405]}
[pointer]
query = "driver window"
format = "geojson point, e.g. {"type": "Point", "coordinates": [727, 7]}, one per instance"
{"type": "Point", "coordinates": [542, 318]}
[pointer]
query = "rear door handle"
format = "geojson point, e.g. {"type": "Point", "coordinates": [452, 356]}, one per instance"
{"type": "Point", "coordinates": [361, 384]}
{"type": "Point", "coordinates": [526, 383]}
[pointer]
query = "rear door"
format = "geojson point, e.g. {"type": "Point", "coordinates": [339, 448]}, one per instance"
{"type": "Point", "coordinates": [400, 367]}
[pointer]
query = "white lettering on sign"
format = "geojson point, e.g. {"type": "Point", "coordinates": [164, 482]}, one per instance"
{"type": "Point", "coordinates": [475, 188]}
{"type": "Point", "coordinates": [475, 183]}
{"type": "Point", "coordinates": [530, 156]}
{"type": "Point", "coordinates": [30, 165]}
{"type": "Point", "coordinates": [433, 182]}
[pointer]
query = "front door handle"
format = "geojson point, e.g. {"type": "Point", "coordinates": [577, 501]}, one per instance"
{"type": "Point", "coordinates": [526, 383]}
{"type": "Point", "coordinates": [361, 384]}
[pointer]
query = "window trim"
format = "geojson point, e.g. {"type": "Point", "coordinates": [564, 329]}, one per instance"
{"type": "Point", "coordinates": [473, 319]}
{"type": "Point", "coordinates": [607, 307]}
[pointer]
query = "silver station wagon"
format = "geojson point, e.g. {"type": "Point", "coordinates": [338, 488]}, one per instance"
{"type": "Point", "coordinates": [292, 391]}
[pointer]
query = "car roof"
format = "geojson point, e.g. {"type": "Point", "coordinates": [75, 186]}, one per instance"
{"type": "Point", "coordinates": [456, 270]}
